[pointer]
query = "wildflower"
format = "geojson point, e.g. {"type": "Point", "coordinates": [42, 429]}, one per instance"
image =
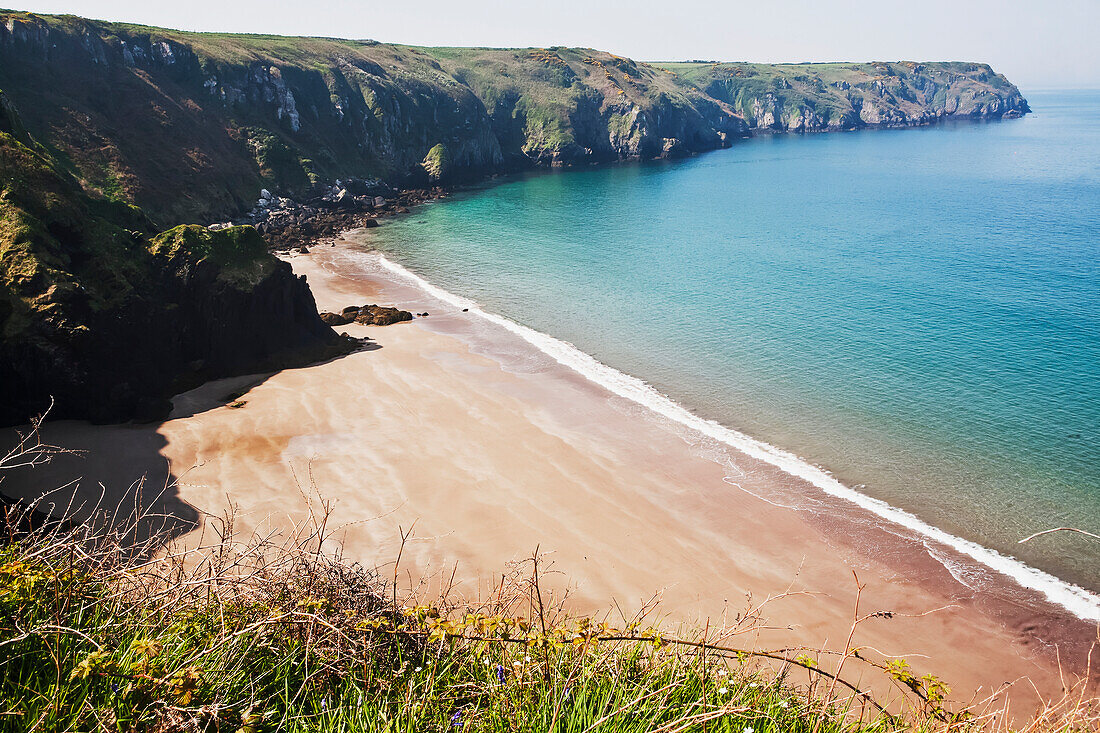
{"type": "Point", "coordinates": [723, 690]}
{"type": "Point", "coordinates": [487, 661]}
{"type": "Point", "coordinates": [456, 719]}
{"type": "Point", "coordinates": [754, 684]}
{"type": "Point", "coordinates": [723, 672]}
{"type": "Point", "coordinates": [748, 729]}
{"type": "Point", "coordinates": [784, 704]}
{"type": "Point", "coordinates": [517, 664]}
{"type": "Point", "coordinates": [114, 688]}
{"type": "Point", "coordinates": [500, 673]}
{"type": "Point", "coordinates": [419, 669]}
{"type": "Point", "coordinates": [251, 722]}
{"type": "Point", "coordinates": [324, 703]}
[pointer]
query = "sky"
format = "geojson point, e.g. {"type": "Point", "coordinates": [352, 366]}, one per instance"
{"type": "Point", "coordinates": [1038, 44]}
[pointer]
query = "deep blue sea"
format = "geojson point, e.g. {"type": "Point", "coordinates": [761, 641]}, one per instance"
{"type": "Point", "coordinates": [917, 311]}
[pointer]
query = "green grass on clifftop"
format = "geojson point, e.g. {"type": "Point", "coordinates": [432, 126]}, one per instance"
{"type": "Point", "coordinates": [240, 253]}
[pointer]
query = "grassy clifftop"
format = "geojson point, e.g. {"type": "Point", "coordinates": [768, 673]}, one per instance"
{"type": "Point", "coordinates": [190, 126]}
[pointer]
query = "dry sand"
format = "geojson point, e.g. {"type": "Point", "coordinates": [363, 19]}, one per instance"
{"type": "Point", "coordinates": [491, 451]}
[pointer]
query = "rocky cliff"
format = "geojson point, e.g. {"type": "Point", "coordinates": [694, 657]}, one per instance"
{"type": "Point", "coordinates": [108, 319]}
{"type": "Point", "coordinates": [818, 97]}
{"type": "Point", "coordinates": [191, 126]}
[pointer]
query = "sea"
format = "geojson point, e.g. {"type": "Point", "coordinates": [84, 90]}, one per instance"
{"type": "Point", "coordinates": [910, 318]}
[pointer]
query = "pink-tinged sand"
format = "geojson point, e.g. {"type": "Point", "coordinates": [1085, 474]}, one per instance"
{"type": "Point", "coordinates": [489, 461]}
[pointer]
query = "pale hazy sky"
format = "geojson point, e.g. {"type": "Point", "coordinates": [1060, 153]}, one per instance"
{"type": "Point", "coordinates": [1037, 43]}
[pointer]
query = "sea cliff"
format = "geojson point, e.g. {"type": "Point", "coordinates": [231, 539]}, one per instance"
{"type": "Point", "coordinates": [191, 126]}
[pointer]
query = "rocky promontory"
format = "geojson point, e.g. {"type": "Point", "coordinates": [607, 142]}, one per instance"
{"type": "Point", "coordinates": [105, 319]}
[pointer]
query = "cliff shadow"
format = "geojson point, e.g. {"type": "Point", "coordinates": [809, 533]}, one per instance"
{"type": "Point", "coordinates": [112, 477]}
{"type": "Point", "coordinates": [229, 391]}
{"type": "Point", "coordinates": [115, 476]}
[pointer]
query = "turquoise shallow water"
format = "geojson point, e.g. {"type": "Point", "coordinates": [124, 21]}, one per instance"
{"type": "Point", "coordinates": [917, 311]}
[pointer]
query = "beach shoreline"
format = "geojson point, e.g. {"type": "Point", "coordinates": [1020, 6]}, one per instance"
{"type": "Point", "coordinates": [492, 448]}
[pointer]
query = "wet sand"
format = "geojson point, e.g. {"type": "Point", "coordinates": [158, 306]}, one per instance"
{"type": "Point", "coordinates": [492, 449]}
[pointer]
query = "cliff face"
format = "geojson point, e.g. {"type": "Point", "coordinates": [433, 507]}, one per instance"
{"type": "Point", "coordinates": [192, 126]}
{"type": "Point", "coordinates": [109, 320]}
{"type": "Point", "coordinates": [818, 97]}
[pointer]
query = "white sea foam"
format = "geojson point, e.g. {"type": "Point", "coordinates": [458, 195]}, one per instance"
{"type": "Point", "coordinates": [1076, 600]}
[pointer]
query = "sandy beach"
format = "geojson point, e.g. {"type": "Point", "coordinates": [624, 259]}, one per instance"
{"type": "Point", "coordinates": [489, 449]}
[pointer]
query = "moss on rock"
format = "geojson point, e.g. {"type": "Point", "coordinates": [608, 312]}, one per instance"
{"type": "Point", "coordinates": [437, 162]}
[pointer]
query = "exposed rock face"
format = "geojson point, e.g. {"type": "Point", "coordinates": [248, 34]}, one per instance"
{"type": "Point", "coordinates": [108, 321]}
{"type": "Point", "coordinates": [149, 115]}
{"type": "Point", "coordinates": [146, 113]}
{"type": "Point", "coordinates": [819, 97]}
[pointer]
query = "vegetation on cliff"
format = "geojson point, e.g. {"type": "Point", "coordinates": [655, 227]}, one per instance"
{"type": "Point", "coordinates": [832, 96]}
{"type": "Point", "coordinates": [191, 126]}
{"type": "Point", "coordinates": [105, 319]}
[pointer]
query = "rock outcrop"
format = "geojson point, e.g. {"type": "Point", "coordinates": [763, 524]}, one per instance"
{"type": "Point", "coordinates": [378, 315]}
{"type": "Point", "coordinates": [821, 97]}
{"type": "Point", "coordinates": [106, 320]}
{"type": "Point", "coordinates": [369, 315]}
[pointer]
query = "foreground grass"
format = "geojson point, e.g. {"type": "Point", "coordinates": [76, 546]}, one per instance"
{"type": "Point", "coordinates": [100, 630]}
{"type": "Point", "coordinates": [107, 641]}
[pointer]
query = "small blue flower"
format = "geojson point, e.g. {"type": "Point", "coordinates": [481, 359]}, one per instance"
{"type": "Point", "coordinates": [500, 673]}
{"type": "Point", "coordinates": [324, 704]}
{"type": "Point", "coordinates": [456, 719]}
{"type": "Point", "coordinates": [114, 688]}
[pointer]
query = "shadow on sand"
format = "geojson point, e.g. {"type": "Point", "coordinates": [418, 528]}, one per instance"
{"type": "Point", "coordinates": [112, 476]}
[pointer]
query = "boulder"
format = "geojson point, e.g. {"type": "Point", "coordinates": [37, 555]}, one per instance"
{"type": "Point", "coordinates": [335, 319]}
{"type": "Point", "coordinates": [381, 315]}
